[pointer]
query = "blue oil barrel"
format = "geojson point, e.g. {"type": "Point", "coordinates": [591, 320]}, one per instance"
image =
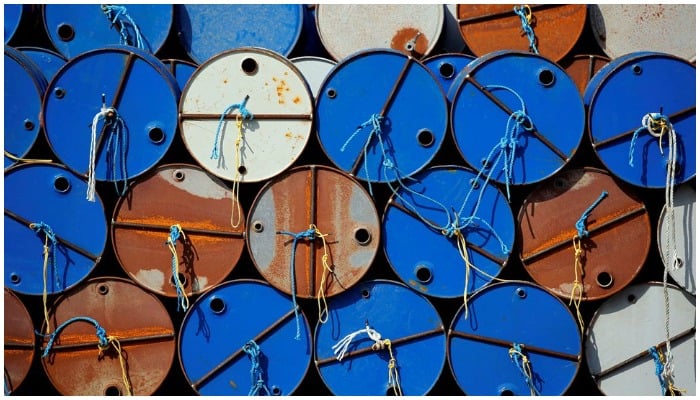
{"type": "Point", "coordinates": [420, 235]}
{"type": "Point", "coordinates": [182, 70]}
{"type": "Point", "coordinates": [48, 61]}
{"type": "Point", "coordinates": [43, 193]}
{"type": "Point", "coordinates": [24, 87]}
{"type": "Point", "coordinates": [13, 17]}
{"type": "Point", "coordinates": [133, 127]}
{"type": "Point", "coordinates": [353, 355]}
{"type": "Point", "coordinates": [240, 330]}
{"type": "Point", "coordinates": [77, 28]}
{"type": "Point", "coordinates": [446, 67]}
{"type": "Point", "coordinates": [517, 339]}
{"type": "Point", "coordinates": [619, 98]}
{"type": "Point", "coordinates": [381, 115]}
{"type": "Point", "coordinates": [516, 110]}
{"type": "Point", "coordinates": [205, 30]}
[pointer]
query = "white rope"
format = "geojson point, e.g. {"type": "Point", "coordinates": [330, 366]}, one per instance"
{"type": "Point", "coordinates": [102, 114]}
{"type": "Point", "coordinates": [340, 348]}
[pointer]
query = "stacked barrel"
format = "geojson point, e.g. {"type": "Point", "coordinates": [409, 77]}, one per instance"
{"type": "Point", "coordinates": [349, 199]}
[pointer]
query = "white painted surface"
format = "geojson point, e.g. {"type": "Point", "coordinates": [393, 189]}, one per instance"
{"type": "Point", "coordinates": [314, 69]}
{"type": "Point", "coordinates": [684, 211]}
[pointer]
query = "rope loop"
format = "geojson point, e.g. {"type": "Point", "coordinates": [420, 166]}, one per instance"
{"type": "Point", "coordinates": [118, 15]}
{"type": "Point", "coordinates": [243, 112]}
{"type": "Point", "coordinates": [521, 361]}
{"type": "Point", "coordinates": [258, 384]}
{"type": "Point", "coordinates": [526, 23]}
{"type": "Point", "coordinates": [176, 232]}
{"type": "Point", "coordinates": [581, 222]}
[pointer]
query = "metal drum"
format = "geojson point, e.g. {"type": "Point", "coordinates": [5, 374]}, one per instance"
{"type": "Point", "coordinates": [621, 29]}
{"type": "Point", "coordinates": [314, 69]}
{"type": "Point", "coordinates": [618, 232]}
{"type": "Point", "coordinates": [222, 330]}
{"type": "Point", "coordinates": [346, 240]}
{"type": "Point", "coordinates": [50, 199]}
{"type": "Point", "coordinates": [24, 87]}
{"type": "Point", "coordinates": [417, 237]}
{"type": "Point", "coordinates": [48, 61]}
{"type": "Point", "coordinates": [205, 30]}
{"type": "Point", "coordinates": [181, 70]}
{"type": "Point", "coordinates": [532, 114]}
{"type": "Point", "coordinates": [622, 364]}
{"type": "Point", "coordinates": [582, 67]}
{"type": "Point", "coordinates": [77, 28]}
{"type": "Point", "coordinates": [78, 364]}
{"type": "Point", "coordinates": [518, 340]}
{"type": "Point", "coordinates": [412, 29]}
{"type": "Point", "coordinates": [19, 342]}
{"type": "Point", "coordinates": [184, 196]}
{"type": "Point", "coordinates": [13, 16]}
{"type": "Point", "coordinates": [399, 117]}
{"type": "Point", "coordinates": [375, 327]}
{"type": "Point", "coordinates": [491, 27]}
{"type": "Point", "coordinates": [133, 127]}
{"type": "Point", "coordinates": [270, 97]}
{"type": "Point", "coordinates": [451, 37]}
{"type": "Point", "coordinates": [446, 67]}
{"type": "Point", "coordinates": [685, 240]}
{"type": "Point", "coordinates": [616, 110]}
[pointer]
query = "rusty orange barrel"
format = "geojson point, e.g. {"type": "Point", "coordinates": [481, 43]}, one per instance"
{"type": "Point", "coordinates": [613, 253]}
{"type": "Point", "coordinates": [582, 67]}
{"type": "Point", "coordinates": [74, 363]}
{"type": "Point", "coordinates": [490, 27]}
{"type": "Point", "coordinates": [208, 246]}
{"type": "Point", "coordinates": [342, 212]}
{"type": "Point", "coordinates": [19, 342]}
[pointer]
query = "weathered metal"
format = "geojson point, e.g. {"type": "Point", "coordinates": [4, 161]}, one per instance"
{"type": "Point", "coordinates": [490, 27]}
{"type": "Point", "coordinates": [682, 270]}
{"type": "Point", "coordinates": [20, 342]}
{"type": "Point", "coordinates": [181, 70]}
{"type": "Point", "coordinates": [185, 195]}
{"type": "Point", "coordinates": [338, 206]}
{"type": "Point", "coordinates": [613, 253]}
{"type": "Point", "coordinates": [137, 319]}
{"type": "Point", "coordinates": [582, 67]}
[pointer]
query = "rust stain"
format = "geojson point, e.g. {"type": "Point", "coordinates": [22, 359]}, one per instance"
{"type": "Point", "coordinates": [296, 100]}
{"type": "Point", "coordinates": [288, 135]}
{"type": "Point", "coordinates": [410, 36]}
{"type": "Point", "coordinates": [74, 338]}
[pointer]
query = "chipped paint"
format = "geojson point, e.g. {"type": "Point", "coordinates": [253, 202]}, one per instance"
{"type": "Point", "coordinates": [153, 278]}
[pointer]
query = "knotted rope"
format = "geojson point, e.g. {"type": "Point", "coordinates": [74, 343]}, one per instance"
{"type": "Point", "coordinates": [257, 382]}
{"type": "Point", "coordinates": [118, 15]}
{"type": "Point", "coordinates": [525, 14]}
{"type": "Point", "coordinates": [115, 130]}
{"type": "Point", "coordinates": [523, 364]}
{"type": "Point", "coordinates": [49, 235]}
{"type": "Point", "coordinates": [175, 233]}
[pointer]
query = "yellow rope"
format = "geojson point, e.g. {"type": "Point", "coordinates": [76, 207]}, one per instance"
{"type": "Point", "coordinates": [321, 296]}
{"type": "Point", "coordinates": [528, 14]}
{"type": "Point", "coordinates": [112, 340]}
{"type": "Point", "coordinates": [25, 160]}
{"type": "Point", "coordinates": [577, 288]}
{"type": "Point", "coordinates": [525, 367]}
{"type": "Point", "coordinates": [393, 371]}
{"type": "Point", "coordinates": [185, 300]}
{"type": "Point", "coordinates": [235, 206]}
{"type": "Point", "coordinates": [672, 389]}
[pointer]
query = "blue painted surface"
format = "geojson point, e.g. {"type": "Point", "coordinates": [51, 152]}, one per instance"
{"type": "Point", "coordinates": [49, 62]}
{"type": "Point", "coordinates": [411, 245]}
{"type": "Point", "coordinates": [13, 17]}
{"type": "Point", "coordinates": [538, 320]}
{"type": "Point", "coordinates": [209, 29]}
{"type": "Point", "coordinates": [24, 88]}
{"type": "Point", "coordinates": [617, 100]}
{"type": "Point", "coordinates": [395, 312]}
{"type": "Point", "coordinates": [556, 111]}
{"type": "Point", "coordinates": [363, 83]}
{"type": "Point", "coordinates": [84, 79]}
{"type": "Point", "coordinates": [93, 29]}
{"type": "Point", "coordinates": [446, 67]}
{"type": "Point", "coordinates": [30, 193]}
{"type": "Point", "coordinates": [181, 70]}
{"type": "Point", "coordinates": [250, 307]}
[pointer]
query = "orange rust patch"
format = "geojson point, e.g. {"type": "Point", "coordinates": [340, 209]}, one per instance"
{"type": "Point", "coordinates": [296, 100]}
{"type": "Point", "coordinates": [406, 35]}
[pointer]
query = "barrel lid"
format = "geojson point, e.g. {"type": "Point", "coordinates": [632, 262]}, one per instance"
{"type": "Point", "coordinates": [48, 61]}
{"type": "Point", "coordinates": [394, 312]}
{"type": "Point", "coordinates": [621, 364]}
{"type": "Point", "coordinates": [394, 90]}
{"type": "Point", "coordinates": [446, 67]}
{"type": "Point", "coordinates": [13, 17]}
{"type": "Point", "coordinates": [211, 352]}
{"type": "Point", "coordinates": [188, 198]}
{"type": "Point", "coordinates": [616, 111]}
{"type": "Point", "coordinates": [419, 218]}
{"type": "Point", "coordinates": [118, 75]}
{"type": "Point", "coordinates": [315, 69]}
{"type": "Point", "coordinates": [135, 318]}
{"type": "Point", "coordinates": [682, 225]}
{"type": "Point", "coordinates": [582, 67]}
{"type": "Point", "coordinates": [19, 342]}
{"type": "Point", "coordinates": [246, 81]}
{"type": "Point", "coordinates": [77, 28]}
{"type": "Point", "coordinates": [501, 316]}
{"type": "Point", "coordinates": [412, 29]}
{"type": "Point", "coordinates": [205, 30]}
{"type": "Point", "coordinates": [50, 194]}
{"type": "Point", "coordinates": [620, 29]}
{"type": "Point", "coordinates": [484, 100]}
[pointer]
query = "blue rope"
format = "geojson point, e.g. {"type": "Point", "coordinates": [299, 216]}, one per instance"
{"type": "Point", "coordinates": [46, 229]}
{"type": "Point", "coordinates": [649, 121]}
{"type": "Point", "coordinates": [517, 358]}
{"type": "Point", "coordinates": [256, 373]}
{"type": "Point", "coordinates": [527, 28]}
{"type": "Point", "coordinates": [173, 238]}
{"type": "Point", "coordinates": [309, 234]}
{"type": "Point", "coordinates": [116, 147]}
{"type": "Point", "coordinates": [245, 114]}
{"type": "Point", "coordinates": [99, 331]}
{"type": "Point", "coordinates": [581, 223]}
{"type": "Point", "coordinates": [654, 352]}
{"type": "Point", "coordinates": [375, 120]}
{"type": "Point", "coordinates": [118, 14]}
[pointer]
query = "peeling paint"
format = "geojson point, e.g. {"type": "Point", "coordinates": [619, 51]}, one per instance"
{"type": "Point", "coordinates": [152, 278]}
